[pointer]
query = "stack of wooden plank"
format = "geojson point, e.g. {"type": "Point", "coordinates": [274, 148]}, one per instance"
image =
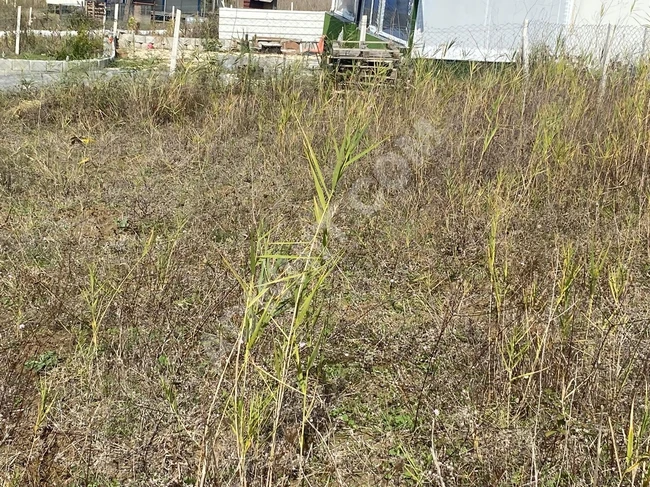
{"type": "Point", "coordinates": [367, 63]}
{"type": "Point", "coordinates": [96, 10]}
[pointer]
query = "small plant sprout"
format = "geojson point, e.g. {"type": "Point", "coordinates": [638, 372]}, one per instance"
{"type": "Point", "coordinates": [46, 400]}
{"type": "Point", "coordinates": [282, 316]}
{"type": "Point", "coordinates": [99, 296]}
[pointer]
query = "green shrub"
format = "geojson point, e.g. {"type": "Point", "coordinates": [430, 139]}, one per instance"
{"type": "Point", "coordinates": [31, 44]}
{"type": "Point", "coordinates": [208, 32]}
{"type": "Point", "coordinates": [81, 46]}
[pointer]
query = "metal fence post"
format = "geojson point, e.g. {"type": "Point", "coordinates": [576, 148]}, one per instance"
{"type": "Point", "coordinates": [605, 61]}
{"type": "Point", "coordinates": [117, 12]}
{"type": "Point", "coordinates": [525, 55]}
{"type": "Point", "coordinates": [18, 30]}
{"type": "Point", "coordinates": [177, 31]}
{"type": "Point", "coordinates": [362, 31]}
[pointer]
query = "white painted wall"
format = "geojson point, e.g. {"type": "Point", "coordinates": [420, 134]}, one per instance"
{"type": "Point", "coordinates": [480, 29]}
{"type": "Point", "coordinates": [452, 13]}
{"type": "Point", "coordinates": [67, 3]}
{"type": "Point", "coordinates": [618, 12]}
{"type": "Point", "coordinates": [491, 30]}
{"type": "Point", "coordinates": [235, 23]}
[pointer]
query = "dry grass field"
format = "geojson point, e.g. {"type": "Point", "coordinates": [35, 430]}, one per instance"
{"type": "Point", "coordinates": [279, 281]}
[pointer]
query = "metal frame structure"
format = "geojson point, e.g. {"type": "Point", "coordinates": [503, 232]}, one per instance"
{"type": "Point", "coordinates": [376, 13]}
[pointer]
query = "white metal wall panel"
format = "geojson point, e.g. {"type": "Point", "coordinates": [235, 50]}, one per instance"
{"type": "Point", "coordinates": [443, 14]}
{"type": "Point", "coordinates": [66, 3]}
{"type": "Point", "coordinates": [300, 26]}
{"type": "Point", "coordinates": [480, 30]}
{"type": "Point", "coordinates": [451, 29]}
{"type": "Point", "coordinates": [617, 12]}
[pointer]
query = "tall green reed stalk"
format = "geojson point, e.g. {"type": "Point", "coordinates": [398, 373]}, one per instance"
{"type": "Point", "coordinates": [271, 367]}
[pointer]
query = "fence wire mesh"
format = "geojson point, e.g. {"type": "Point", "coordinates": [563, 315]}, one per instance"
{"type": "Point", "coordinates": [627, 44]}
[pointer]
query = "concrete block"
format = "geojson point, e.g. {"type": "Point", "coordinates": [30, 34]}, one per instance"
{"type": "Point", "coordinates": [37, 66]}
{"type": "Point", "coordinates": [72, 65]}
{"type": "Point", "coordinates": [21, 65]}
{"type": "Point", "coordinates": [55, 66]}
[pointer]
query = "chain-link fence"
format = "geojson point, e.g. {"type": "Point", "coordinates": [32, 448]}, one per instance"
{"type": "Point", "coordinates": [298, 31]}
{"type": "Point", "coordinates": [471, 42]}
{"type": "Point", "coordinates": [626, 44]}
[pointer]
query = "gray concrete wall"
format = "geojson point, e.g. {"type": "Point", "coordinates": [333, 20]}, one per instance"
{"type": "Point", "coordinates": [158, 42]}
{"type": "Point", "coordinates": [39, 66]}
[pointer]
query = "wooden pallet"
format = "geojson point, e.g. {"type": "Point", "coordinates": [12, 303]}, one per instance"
{"type": "Point", "coordinates": [95, 10]}
{"type": "Point", "coordinates": [162, 16]}
{"type": "Point", "coordinates": [367, 63]}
